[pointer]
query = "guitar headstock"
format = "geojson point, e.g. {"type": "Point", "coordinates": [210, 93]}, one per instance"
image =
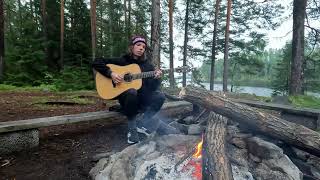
{"type": "Point", "coordinates": [181, 69]}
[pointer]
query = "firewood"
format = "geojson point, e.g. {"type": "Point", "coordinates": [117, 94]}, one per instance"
{"type": "Point", "coordinates": [265, 123]}
{"type": "Point", "coordinates": [215, 163]}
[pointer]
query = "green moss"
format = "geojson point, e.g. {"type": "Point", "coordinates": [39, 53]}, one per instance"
{"type": "Point", "coordinates": [305, 101]}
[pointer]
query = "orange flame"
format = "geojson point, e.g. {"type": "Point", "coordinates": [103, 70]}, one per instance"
{"type": "Point", "coordinates": [198, 153]}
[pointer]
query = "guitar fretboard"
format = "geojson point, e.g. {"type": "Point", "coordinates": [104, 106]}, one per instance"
{"type": "Point", "coordinates": [149, 74]}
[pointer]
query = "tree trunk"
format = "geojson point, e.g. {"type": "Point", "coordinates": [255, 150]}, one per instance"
{"type": "Point", "coordinates": [129, 18]}
{"type": "Point", "coordinates": [1, 40]}
{"type": "Point", "coordinates": [171, 75]}
{"type": "Point", "coordinates": [93, 4]}
{"type": "Point", "coordinates": [185, 48]}
{"type": "Point", "coordinates": [226, 49]}
{"type": "Point", "coordinates": [126, 17]}
{"type": "Point", "coordinates": [101, 37]}
{"type": "Point", "coordinates": [111, 26]}
{"type": "Point", "coordinates": [20, 17]}
{"type": "Point", "coordinates": [31, 8]}
{"type": "Point", "coordinates": [61, 34]}
{"type": "Point", "coordinates": [214, 42]}
{"type": "Point", "coordinates": [215, 163]}
{"type": "Point", "coordinates": [155, 33]}
{"type": "Point", "coordinates": [45, 32]}
{"type": "Point", "coordinates": [296, 80]}
{"type": "Point", "coordinates": [294, 134]}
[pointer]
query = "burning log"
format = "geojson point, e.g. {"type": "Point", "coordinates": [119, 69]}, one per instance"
{"type": "Point", "coordinates": [215, 163]}
{"type": "Point", "coordinates": [268, 124]}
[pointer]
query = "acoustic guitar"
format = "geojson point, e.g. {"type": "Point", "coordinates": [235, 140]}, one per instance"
{"type": "Point", "coordinates": [132, 78]}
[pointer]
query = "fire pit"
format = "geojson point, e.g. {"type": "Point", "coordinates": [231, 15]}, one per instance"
{"type": "Point", "coordinates": [165, 157]}
{"type": "Point", "coordinates": [232, 148]}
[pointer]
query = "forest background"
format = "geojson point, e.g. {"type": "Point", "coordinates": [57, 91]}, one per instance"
{"type": "Point", "coordinates": [48, 44]}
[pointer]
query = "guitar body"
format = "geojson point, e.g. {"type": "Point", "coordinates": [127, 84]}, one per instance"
{"type": "Point", "coordinates": [108, 90]}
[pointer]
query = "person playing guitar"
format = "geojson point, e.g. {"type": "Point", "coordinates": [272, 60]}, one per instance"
{"type": "Point", "coordinates": [147, 99]}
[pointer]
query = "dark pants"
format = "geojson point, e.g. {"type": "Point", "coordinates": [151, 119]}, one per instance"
{"type": "Point", "coordinates": [132, 103]}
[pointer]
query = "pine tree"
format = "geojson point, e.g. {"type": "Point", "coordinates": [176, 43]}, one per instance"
{"type": "Point", "coordinates": [296, 78]}
{"type": "Point", "coordinates": [1, 39]}
{"type": "Point", "coordinates": [280, 81]}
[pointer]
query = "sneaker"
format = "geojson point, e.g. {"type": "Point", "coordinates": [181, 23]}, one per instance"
{"type": "Point", "coordinates": [133, 137]}
{"type": "Point", "coordinates": [143, 130]}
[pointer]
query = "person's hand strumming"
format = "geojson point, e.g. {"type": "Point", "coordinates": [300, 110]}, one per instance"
{"type": "Point", "coordinates": [157, 73]}
{"type": "Point", "coordinates": [116, 78]}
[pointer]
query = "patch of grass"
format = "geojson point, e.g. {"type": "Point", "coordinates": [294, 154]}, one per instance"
{"type": "Point", "coordinates": [305, 101]}
{"type": "Point", "coordinates": [5, 87]}
{"type": "Point", "coordinates": [69, 98]}
{"type": "Point", "coordinates": [247, 96]}
{"type": "Point", "coordinates": [45, 107]}
{"type": "Point", "coordinates": [82, 101]}
{"type": "Point", "coordinates": [43, 87]}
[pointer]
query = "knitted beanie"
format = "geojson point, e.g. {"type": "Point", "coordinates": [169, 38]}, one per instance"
{"type": "Point", "coordinates": [136, 39]}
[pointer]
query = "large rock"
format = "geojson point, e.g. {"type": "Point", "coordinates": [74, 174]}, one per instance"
{"type": "Point", "coordinates": [274, 164]}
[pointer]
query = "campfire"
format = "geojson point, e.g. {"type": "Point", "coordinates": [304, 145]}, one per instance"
{"type": "Point", "coordinates": [192, 162]}
{"type": "Point", "coordinates": [165, 157]}
{"type": "Point", "coordinates": [227, 149]}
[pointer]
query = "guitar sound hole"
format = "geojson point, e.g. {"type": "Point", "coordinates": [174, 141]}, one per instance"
{"type": "Point", "coordinates": [127, 77]}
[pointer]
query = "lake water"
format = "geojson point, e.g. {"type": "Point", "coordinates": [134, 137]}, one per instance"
{"type": "Point", "coordinates": [259, 91]}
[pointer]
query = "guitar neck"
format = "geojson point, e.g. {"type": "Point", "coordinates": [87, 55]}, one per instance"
{"type": "Point", "coordinates": [149, 74]}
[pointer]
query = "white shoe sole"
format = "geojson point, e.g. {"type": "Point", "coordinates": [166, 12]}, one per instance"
{"type": "Point", "coordinates": [143, 131]}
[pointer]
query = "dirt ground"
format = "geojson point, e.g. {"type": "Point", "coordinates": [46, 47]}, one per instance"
{"type": "Point", "coordinates": [27, 105]}
{"type": "Point", "coordinates": [65, 152]}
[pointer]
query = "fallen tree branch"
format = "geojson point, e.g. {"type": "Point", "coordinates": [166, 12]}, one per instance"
{"type": "Point", "coordinates": [268, 124]}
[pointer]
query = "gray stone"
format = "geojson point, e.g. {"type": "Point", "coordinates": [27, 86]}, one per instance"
{"type": "Point", "coordinates": [307, 157]}
{"type": "Point", "coordinates": [99, 156]}
{"type": "Point", "coordinates": [138, 160]}
{"type": "Point", "coordinates": [274, 164]}
{"type": "Point", "coordinates": [315, 172]}
{"type": "Point", "coordinates": [182, 127]}
{"type": "Point", "coordinates": [255, 158]}
{"type": "Point", "coordinates": [188, 120]}
{"type": "Point", "coordinates": [232, 131]}
{"type": "Point", "coordinates": [238, 142]}
{"type": "Point", "coordinates": [241, 173]}
{"type": "Point", "coordinates": [18, 141]}
{"type": "Point", "coordinates": [195, 129]}
{"type": "Point", "coordinates": [263, 149]}
{"type": "Point", "coordinates": [98, 167]}
{"type": "Point", "coordinates": [238, 156]}
{"type": "Point", "coordinates": [301, 154]}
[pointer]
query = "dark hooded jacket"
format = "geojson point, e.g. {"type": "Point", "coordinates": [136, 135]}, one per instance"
{"type": "Point", "coordinates": [148, 84]}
